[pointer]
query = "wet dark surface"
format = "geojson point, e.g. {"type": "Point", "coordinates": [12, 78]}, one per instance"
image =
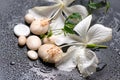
{"type": "Point", "coordinates": [14, 64]}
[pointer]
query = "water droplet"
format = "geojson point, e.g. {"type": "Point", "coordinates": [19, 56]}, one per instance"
{"type": "Point", "coordinates": [36, 64]}
{"type": "Point", "coordinates": [119, 53]}
{"type": "Point", "coordinates": [59, 75]}
{"type": "Point", "coordinates": [80, 75]}
{"type": "Point", "coordinates": [116, 49]}
{"type": "Point", "coordinates": [46, 70]}
{"type": "Point", "coordinates": [45, 78]}
{"type": "Point", "coordinates": [101, 66]}
{"type": "Point", "coordinates": [51, 78]}
{"type": "Point", "coordinates": [12, 63]}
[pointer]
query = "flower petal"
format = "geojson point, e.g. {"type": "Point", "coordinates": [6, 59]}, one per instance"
{"type": "Point", "coordinates": [82, 27]}
{"type": "Point", "coordinates": [75, 37]}
{"type": "Point", "coordinates": [99, 33]}
{"type": "Point", "coordinates": [58, 22]}
{"type": "Point", "coordinates": [76, 8]}
{"type": "Point", "coordinates": [67, 63]}
{"type": "Point", "coordinates": [67, 2]}
{"type": "Point", "coordinates": [44, 11]}
{"type": "Point", "coordinates": [87, 62]}
{"type": "Point", "coordinates": [62, 39]}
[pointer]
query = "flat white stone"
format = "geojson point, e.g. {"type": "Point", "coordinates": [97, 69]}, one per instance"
{"type": "Point", "coordinates": [21, 30]}
{"type": "Point", "coordinates": [32, 55]}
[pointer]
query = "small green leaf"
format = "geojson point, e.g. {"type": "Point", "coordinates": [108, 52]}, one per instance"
{"type": "Point", "coordinates": [70, 23]}
{"type": "Point", "coordinates": [49, 34]}
{"type": "Point", "coordinates": [96, 46]}
{"type": "Point", "coordinates": [68, 30]}
{"type": "Point", "coordinates": [96, 5]}
{"type": "Point", "coordinates": [42, 36]}
{"type": "Point", "coordinates": [92, 5]}
{"type": "Point", "coordinates": [107, 6]}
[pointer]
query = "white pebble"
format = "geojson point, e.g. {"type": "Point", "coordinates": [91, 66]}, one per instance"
{"type": "Point", "coordinates": [21, 30]}
{"type": "Point", "coordinates": [22, 40]}
{"type": "Point", "coordinates": [32, 55]}
{"type": "Point", "coordinates": [49, 40]}
{"type": "Point", "coordinates": [33, 42]}
{"type": "Point", "coordinates": [29, 18]}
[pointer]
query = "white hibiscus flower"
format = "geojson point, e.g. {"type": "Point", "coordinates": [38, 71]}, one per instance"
{"type": "Point", "coordinates": [78, 55]}
{"type": "Point", "coordinates": [56, 11]}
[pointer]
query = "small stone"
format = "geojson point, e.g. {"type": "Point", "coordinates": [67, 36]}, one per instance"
{"type": "Point", "coordinates": [22, 40]}
{"type": "Point", "coordinates": [49, 40]}
{"type": "Point", "coordinates": [38, 28]}
{"type": "Point", "coordinates": [50, 53]}
{"type": "Point", "coordinates": [33, 42]}
{"type": "Point", "coordinates": [32, 55]}
{"type": "Point", "coordinates": [21, 30]}
{"type": "Point", "coordinates": [29, 18]}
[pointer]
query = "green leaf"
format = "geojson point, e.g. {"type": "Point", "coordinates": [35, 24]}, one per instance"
{"type": "Point", "coordinates": [107, 6]}
{"type": "Point", "coordinates": [92, 5]}
{"type": "Point", "coordinates": [48, 34]}
{"type": "Point", "coordinates": [96, 46]}
{"type": "Point", "coordinates": [42, 36]}
{"type": "Point", "coordinates": [71, 22]}
{"type": "Point", "coordinates": [96, 5]}
{"type": "Point", "coordinates": [68, 30]}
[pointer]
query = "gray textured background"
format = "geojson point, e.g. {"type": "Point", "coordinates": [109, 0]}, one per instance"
{"type": "Point", "coordinates": [14, 64]}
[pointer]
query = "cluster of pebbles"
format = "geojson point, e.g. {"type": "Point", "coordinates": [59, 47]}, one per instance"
{"type": "Point", "coordinates": [43, 48]}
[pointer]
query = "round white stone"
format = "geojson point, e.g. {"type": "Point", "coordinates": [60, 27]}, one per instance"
{"type": "Point", "coordinates": [21, 30]}
{"type": "Point", "coordinates": [33, 42]}
{"type": "Point", "coordinates": [29, 18]}
{"type": "Point", "coordinates": [32, 55]}
{"type": "Point", "coordinates": [22, 40]}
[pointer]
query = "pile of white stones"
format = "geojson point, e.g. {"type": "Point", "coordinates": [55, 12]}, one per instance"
{"type": "Point", "coordinates": [45, 49]}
